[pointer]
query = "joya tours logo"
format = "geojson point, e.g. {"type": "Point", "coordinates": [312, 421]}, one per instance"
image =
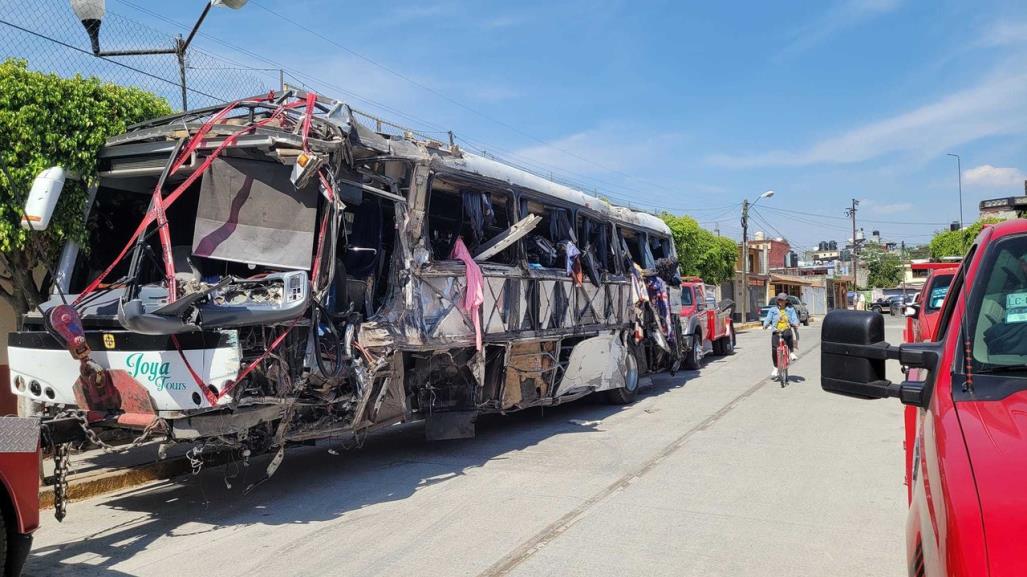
{"type": "Point", "coordinates": [156, 373]}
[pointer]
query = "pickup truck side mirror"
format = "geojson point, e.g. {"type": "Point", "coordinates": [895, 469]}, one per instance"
{"type": "Point", "coordinates": [853, 359]}
{"type": "Point", "coordinates": [911, 311]}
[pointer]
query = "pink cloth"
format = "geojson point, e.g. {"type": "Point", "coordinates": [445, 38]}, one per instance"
{"type": "Point", "coordinates": [475, 295]}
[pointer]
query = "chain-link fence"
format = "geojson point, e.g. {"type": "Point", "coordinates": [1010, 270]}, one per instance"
{"type": "Point", "coordinates": [49, 35]}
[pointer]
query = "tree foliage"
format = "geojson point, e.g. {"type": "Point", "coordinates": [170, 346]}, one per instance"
{"type": "Point", "coordinates": [47, 120]}
{"type": "Point", "coordinates": [950, 243]}
{"type": "Point", "coordinates": [700, 252]}
{"type": "Point", "coordinates": [884, 269]}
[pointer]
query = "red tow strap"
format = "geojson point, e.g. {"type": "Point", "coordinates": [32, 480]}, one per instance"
{"type": "Point", "coordinates": [158, 213]}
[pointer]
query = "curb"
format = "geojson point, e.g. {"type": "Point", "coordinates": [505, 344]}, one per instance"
{"type": "Point", "coordinates": [102, 483]}
{"type": "Point", "coordinates": [97, 484]}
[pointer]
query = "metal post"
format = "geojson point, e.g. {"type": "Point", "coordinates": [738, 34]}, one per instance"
{"type": "Point", "coordinates": [745, 260]}
{"type": "Point", "coordinates": [959, 169]}
{"type": "Point", "coordinates": [959, 180]}
{"type": "Point", "coordinates": [851, 212]}
{"type": "Point", "coordinates": [281, 79]}
{"type": "Point", "coordinates": [180, 53]}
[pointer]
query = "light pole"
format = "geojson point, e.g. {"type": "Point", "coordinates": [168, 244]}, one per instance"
{"type": "Point", "coordinates": [959, 175]}
{"type": "Point", "coordinates": [746, 205]}
{"type": "Point", "coordinates": [91, 13]}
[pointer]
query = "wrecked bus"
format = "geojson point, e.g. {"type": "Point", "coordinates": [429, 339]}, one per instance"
{"type": "Point", "coordinates": [275, 271]}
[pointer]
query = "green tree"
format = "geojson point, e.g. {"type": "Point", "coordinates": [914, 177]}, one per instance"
{"type": "Point", "coordinates": [47, 120]}
{"type": "Point", "coordinates": [700, 252]}
{"type": "Point", "coordinates": [884, 269]}
{"type": "Point", "coordinates": [949, 243]}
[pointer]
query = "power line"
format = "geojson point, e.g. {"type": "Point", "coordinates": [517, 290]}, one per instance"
{"type": "Point", "coordinates": [448, 98]}
{"type": "Point", "coordinates": [480, 145]}
{"type": "Point", "coordinates": [872, 221]}
{"type": "Point", "coordinates": [104, 58]}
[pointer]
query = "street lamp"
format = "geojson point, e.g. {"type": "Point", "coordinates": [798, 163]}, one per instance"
{"type": "Point", "coordinates": [91, 13]}
{"type": "Point", "coordinates": [959, 176]}
{"type": "Point", "coordinates": [746, 205]}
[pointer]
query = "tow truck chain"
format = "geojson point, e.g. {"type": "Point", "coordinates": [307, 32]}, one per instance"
{"type": "Point", "coordinates": [62, 456]}
{"type": "Point", "coordinates": [83, 423]}
{"type": "Point", "coordinates": [61, 464]}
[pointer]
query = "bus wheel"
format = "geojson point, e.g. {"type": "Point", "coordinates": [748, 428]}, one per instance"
{"type": "Point", "coordinates": [626, 394]}
{"type": "Point", "coordinates": [693, 358]}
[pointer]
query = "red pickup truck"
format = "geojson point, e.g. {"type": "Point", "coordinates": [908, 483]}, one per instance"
{"type": "Point", "coordinates": [968, 509]}
{"type": "Point", "coordinates": [19, 491]}
{"type": "Point", "coordinates": [706, 324]}
{"type": "Point", "coordinates": [922, 315]}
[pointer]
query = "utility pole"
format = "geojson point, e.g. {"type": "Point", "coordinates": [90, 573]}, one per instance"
{"type": "Point", "coordinates": [959, 179]}
{"type": "Point", "coordinates": [851, 213]}
{"type": "Point", "coordinates": [745, 260]}
{"type": "Point", "coordinates": [902, 259]}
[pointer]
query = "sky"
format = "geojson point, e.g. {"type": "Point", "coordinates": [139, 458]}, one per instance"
{"type": "Point", "coordinates": [682, 106]}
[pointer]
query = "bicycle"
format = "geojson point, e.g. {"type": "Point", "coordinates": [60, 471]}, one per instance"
{"type": "Point", "coordinates": [784, 357]}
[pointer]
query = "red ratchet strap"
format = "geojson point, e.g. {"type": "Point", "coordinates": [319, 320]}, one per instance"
{"type": "Point", "coordinates": [204, 389]}
{"type": "Point", "coordinates": [171, 198]}
{"type": "Point", "coordinates": [311, 99]}
{"type": "Point", "coordinates": [163, 231]}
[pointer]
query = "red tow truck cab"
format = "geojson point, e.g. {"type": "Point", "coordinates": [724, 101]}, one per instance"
{"type": "Point", "coordinates": [707, 324]}
{"type": "Point", "coordinates": [968, 387]}
{"type": "Point", "coordinates": [19, 490]}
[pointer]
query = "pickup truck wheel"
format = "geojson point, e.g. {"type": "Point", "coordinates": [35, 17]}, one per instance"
{"type": "Point", "coordinates": [728, 345]}
{"type": "Point", "coordinates": [876, 309]}
{"type": "Point", "coordinates": [718, 347]}
{"type": "Point", "coordinates": [626, 394]}
{"type": "Point", "coordinates": [693, 358]}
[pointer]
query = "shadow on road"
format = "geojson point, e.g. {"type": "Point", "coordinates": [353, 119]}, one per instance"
{"type": "Point", "coordinates": [313, 485]}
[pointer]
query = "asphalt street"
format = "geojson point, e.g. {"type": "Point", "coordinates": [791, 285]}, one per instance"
{"type": "Point", "coordinates": [716, 472]}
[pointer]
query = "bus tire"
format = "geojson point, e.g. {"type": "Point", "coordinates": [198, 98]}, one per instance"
{"type": "Point", "coordinates": [693, 357]}
{"type": "Point", "coordinates": [626, 395]}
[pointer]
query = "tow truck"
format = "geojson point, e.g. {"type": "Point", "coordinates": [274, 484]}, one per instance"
{"type": "Point", "coordinates": [707, 324]}
{"type": "Point", "coordinates": [968, 387]}
{"type": "Point", "coordinates": [19, 490]}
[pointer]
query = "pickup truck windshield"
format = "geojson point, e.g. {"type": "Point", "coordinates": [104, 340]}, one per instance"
{"type": "Point", "coordinates": [998, 308]}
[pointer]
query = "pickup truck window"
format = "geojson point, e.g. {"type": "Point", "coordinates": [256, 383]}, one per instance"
{"type": "Point", "coordinates": [939, 288]}
{"type": "Point", "coordinates": [998, 309]}
{"type": "Point", "coordinates": [686, 296]}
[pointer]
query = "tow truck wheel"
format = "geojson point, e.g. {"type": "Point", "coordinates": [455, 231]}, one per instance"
{"type": "Point", "coordinates": [626, 394]}
{"type": "Point", "coordinates": [694, 357]}
{"type": "Point", "coordinates": [728, 345]}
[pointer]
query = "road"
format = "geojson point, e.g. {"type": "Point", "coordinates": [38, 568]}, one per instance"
{"type": "Point", "coordinates": [720, 472]}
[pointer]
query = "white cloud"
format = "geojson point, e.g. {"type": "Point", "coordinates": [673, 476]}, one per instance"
{"type": "Point", "coordinates": [996, 106]}
{"type": "Point", "coordinates": [888, 208]}
{"type": "Point", "coordinates": [988, 176]}
{"type": "Point", "coordinates": [598, 151]}
{"type": "Point", "coordinates": [843, 15]}
{"type": "Point", "coordinates": [1004, 33]}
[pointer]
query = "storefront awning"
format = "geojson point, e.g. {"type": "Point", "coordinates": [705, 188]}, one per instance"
{"type": "Point", "coordinates": [788, 279]}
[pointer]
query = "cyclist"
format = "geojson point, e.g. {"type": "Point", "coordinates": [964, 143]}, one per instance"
{"type": "Point", "coordinates": [784, 320]}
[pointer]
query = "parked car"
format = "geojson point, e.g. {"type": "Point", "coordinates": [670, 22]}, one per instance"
{"type": "Point", "coordinates": [968, 387]}
{"type": "Point", "coordinates": [800, 309]}
{"type": "Point", "coordinates": [706, 324]}
{"type": "Point", "coordinates": [19, 491]}
{"type": "Point", "coordinates": [888, 304]}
